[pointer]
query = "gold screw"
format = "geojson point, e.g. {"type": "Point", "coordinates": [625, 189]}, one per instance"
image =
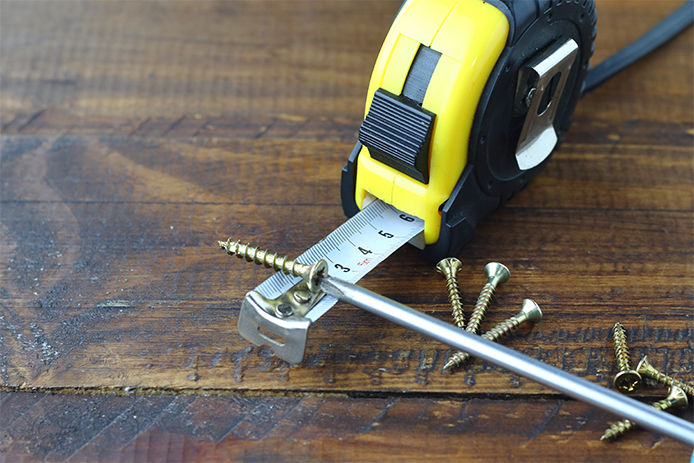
{"type": "Point", "coordinates": [627, 380]}
{"type": "Point", "coordinates": [649, 370]}
{"type": "Point", "coordinates": [496, 273]}
{"type": "Point", "coordinates": [449, 268]}
{"type": "Point", "coordinates": [310, 273]}
{"type": "Point", "coordinates": [676, 398]}
{"type": "Point", "coordinates": [530, 312]}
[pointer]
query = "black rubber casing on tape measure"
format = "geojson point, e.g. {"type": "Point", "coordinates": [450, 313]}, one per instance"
{"type": "Point", "coordinates": [492, 175]}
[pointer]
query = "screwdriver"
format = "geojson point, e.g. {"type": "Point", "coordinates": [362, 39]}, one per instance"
{"type": "Point", "coordinates": [545, 374]}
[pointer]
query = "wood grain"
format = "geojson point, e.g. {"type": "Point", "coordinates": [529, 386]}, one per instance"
{"type": "Point", "coordinates": [290, 428]}
{"type": "Point", "coordinates": [136, 134]}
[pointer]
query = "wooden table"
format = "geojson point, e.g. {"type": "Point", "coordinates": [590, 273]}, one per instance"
{"type": "Point", "coordinates": [136, 134]}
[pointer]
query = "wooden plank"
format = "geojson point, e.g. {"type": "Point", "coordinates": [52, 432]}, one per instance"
{"type": "Point", "coordinates": [200, 70]}
{"type": "Point", "coordinates": [123, 64]}
{"type": "Point", "coordinates": [133, 136]}
{"type": "Point", "coordinates": [319, 428]}
{"type": "Point", "coordinates": [154, 293]}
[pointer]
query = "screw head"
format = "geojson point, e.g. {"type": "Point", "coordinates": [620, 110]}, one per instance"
{"type": "Point", "coordinates": [315, 273]}
{"type": "Point", "coordinates": [529, 97]}
{"type": "Point", "coordinates": [302, 297]}
{"type": "Point", "coordinates": [449, 265]}
{"type": "Point", "coordinates": [496, 273]}
{"type": "Point", "coordinates": [284, 310]}
{"type": "Point", "coordinates": [627, 381]}
{"type": "Point", "coordinates": [531, 311]}
{"type": "Point", "coordinates": [677, 397]}
{"type": "Point", "coordinates": [645, 368]}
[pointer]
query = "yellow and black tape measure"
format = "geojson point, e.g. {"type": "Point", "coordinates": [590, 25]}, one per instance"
{"type": "Point", "coordinates": [466, 103]}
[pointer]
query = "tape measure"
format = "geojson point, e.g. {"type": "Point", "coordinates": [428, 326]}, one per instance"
{"type": "Point", "coordinates": [467, 101]}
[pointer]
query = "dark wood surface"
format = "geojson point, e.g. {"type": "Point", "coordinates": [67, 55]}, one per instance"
{"type": "Point", "coordinates": [136, 134]}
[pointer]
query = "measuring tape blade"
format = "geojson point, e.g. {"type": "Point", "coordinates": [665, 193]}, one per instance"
{"type": "Point", "coordinates": [352, 250]}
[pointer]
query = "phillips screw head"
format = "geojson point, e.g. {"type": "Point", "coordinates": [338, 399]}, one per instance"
{"type": "Point", "coordinates": [449, 268]}
{"type": "Point", "coordinates": [627, 380]}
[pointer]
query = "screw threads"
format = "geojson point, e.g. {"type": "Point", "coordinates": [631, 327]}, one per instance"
{"type": "Point", "coordinates": [617, 430]}
{"type": "Point", "coordinates": [670, 381]}
{"type": "Point", "coordinates": [480, 307]}
{"type": "Point", "coordinates": [458, 358]}
{"type": "Point", "coordinates": [311, 274]}
{"type": "Point", "coordinates": [456, 303]}
{"type": "Point", "coordinates": [676, 398]}
{"type": "Point", "coordinates": [263, 257]}
{"type": "Point", "coordinates": [529, 312]}
{"type": "Point", "coordinates": [496, 273]}
{"type": "Point", "coordinates": [620, 347]}
{"type": "Point", "coordinates": [455, 360]}
{"type": "Point", "coordinates": [649, 370]}
{"type": "Point", "coordinates": [504, 328]}
{"type": "Point", "coordinates": [449, 267]}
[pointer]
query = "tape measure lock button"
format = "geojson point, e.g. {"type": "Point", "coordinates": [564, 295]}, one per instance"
{"type": "Point", "coordinates": [397, 132]}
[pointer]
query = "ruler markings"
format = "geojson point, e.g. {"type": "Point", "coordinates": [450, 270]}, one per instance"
{"type": "Point", "coordinates": [340, 248]}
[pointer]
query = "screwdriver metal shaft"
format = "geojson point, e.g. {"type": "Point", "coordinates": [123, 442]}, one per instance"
{"type": "Point", "coordinates": [516, 362]}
